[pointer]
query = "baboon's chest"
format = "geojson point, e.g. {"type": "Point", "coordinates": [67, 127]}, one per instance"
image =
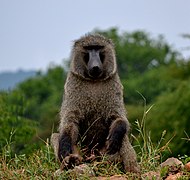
{"type": "Point", "coordinates": [93, 132]}
{"type": "Point", "coordinates": [97, 98]}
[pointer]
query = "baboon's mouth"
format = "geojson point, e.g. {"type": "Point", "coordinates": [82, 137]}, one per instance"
{"type": "Point", "coordinates": [95, 73]}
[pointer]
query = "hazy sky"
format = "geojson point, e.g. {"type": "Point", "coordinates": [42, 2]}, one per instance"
{"type": "Point", "coordinates": [34, 33]}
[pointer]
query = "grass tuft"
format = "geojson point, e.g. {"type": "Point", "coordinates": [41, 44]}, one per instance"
{"type": "Point", "coordinates": [43, 165]}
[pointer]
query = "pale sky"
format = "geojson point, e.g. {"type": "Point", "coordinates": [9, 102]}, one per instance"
{"type": "Point", "coordinates": [34, 33]}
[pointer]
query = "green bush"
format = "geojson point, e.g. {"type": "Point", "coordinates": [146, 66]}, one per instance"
{"type": "Point", "coordinates": [15, 130]}
{"type": "Point", "coordinates": [171, 113]}
{"type": "Point", "coordinates": [152, 73]}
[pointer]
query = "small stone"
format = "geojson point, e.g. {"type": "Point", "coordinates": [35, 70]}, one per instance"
{"type": "Point", "coordinates": [172, 162]}
{"type": "Point", "coordinates": [174, 176]}
{"type": "Point", "coordinates": [187, 166]}
{"type": "Point", "coordinates": [115, 177]}
{"type": "Point", "coordinates": [151, 175]}
{"type": "Point", "coordinates": [83, 169]}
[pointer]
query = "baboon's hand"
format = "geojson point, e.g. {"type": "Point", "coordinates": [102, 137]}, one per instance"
{"type": "Point", "coordinates": [71, 161]}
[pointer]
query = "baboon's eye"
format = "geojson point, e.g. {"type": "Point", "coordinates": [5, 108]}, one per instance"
{"type": "Point", "coordinates": [102, 56]}
{"type": "Point", "coordinates": [86, 57]}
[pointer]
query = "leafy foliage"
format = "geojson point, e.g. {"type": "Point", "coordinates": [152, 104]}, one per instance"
{"type": "Point", "coordinates": [171, 113]}
{"type": "Point", "coordinates": [137, 52]}
{"type": "Point", "coordinates": [31, 109]}
{"type": "Point", "coordinates": [149, 68]}
{"type": "Point", "coordinates": [43, 95]}
{"type": "Point", "coordinates": [14, 127]}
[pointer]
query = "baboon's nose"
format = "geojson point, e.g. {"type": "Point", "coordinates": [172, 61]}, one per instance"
{"type": "Point", "coordinates": [95, 71]}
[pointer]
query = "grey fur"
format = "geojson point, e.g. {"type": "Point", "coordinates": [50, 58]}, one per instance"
{"type": "Point", "coordinates": [94, 106]}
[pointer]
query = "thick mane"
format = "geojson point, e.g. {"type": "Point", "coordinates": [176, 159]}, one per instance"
{"type": "Point", "coordinates": [93, 39]}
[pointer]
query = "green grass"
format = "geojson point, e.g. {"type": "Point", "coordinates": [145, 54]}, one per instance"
{"type": "Point", "coordinates": [39, 165]}
{"type": "Point", "coordinates": [43, 165]}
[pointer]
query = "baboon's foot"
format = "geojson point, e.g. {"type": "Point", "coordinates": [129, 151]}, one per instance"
{"type": "Point", "coordinates": [132, 167]}
{"type": "Point", "coordinates": [71, 161]}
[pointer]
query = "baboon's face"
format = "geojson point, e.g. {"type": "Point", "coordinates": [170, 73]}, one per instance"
{"type": "Point", "coordinates": [93, 57]}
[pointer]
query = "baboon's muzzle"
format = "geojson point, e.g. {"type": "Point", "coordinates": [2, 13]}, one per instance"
{"type": "Point", "coordinates": [94, 64]}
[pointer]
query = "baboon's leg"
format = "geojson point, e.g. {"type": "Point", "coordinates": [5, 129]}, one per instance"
{"type": "Point", "coordinates": [128, 156]}
{"type": "Point", "coordinates": [68, 160]}
{"type": "Point", "coordinates": [118, 146]}
{"type": "Point", "coordinates": [67, 150]}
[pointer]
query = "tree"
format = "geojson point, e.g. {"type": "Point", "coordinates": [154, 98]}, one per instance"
{"type": "Point", "coordinates": [171, 113]}
{"type": "Point", "coordinates": [43, 96]}
{"type": "Point", "coordinates": [16, 131]}
{"type": "Point", "coordinates": [31, 110]}
{"type": "Point", "coordinates": [137, 52]}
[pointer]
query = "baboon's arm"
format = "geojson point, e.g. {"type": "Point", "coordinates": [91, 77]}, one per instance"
{"type": "Point", "coordinates": [67, 141]}
{"type": "Point", "coordinates": [118, 129]}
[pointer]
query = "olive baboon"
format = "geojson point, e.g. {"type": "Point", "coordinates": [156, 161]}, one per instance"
{"type": "Point", "coordinates": [93, 112]}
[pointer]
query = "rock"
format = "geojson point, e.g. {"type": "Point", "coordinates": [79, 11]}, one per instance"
{"type": "Point", "coordinates": [151, 175]}
{"type": "Point", "coordinates": [174, 176]}
{"type": "Point", "coordinates": [115, 177]}
{"type": "Point", "coordinates": [83, 169]}
{"type": "Point", "coordinates": [187, 166]}
{"type": "Point", "coordinates": [172, 162]}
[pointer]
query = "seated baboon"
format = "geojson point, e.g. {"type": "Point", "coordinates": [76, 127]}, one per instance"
{"type": "Point", "coordinates": [93, 111]}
